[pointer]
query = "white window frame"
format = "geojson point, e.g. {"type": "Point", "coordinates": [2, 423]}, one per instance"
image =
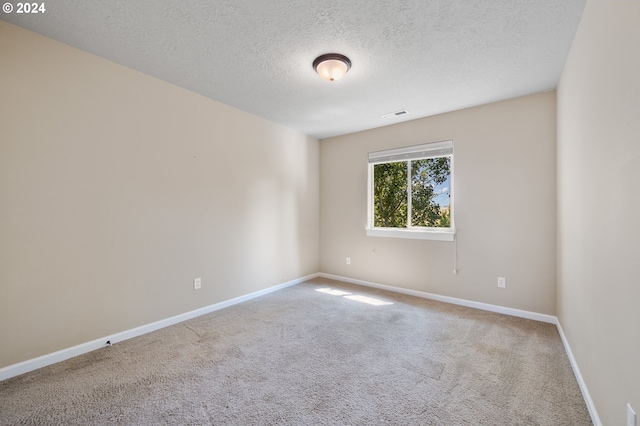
{"type": "Point", "coordinates": [415, 152]}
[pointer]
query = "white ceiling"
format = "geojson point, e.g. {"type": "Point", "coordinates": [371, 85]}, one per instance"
{"type": "Point", "coordinates": [425, 56]}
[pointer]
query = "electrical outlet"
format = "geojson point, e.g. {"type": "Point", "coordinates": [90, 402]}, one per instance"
{"type": "Point", "coordinates": [197, 283]}
{"type": "Point", "coordinates": [348, 261]}
{"type": "Point", "coordinates": [631, 416]}
{"type": "Point", "coordinates": [502, 282]}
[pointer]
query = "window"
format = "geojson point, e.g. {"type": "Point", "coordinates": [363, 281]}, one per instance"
{"type": "Point", "coordinates": [411, 192]}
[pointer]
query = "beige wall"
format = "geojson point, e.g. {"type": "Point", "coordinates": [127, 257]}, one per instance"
{"type": "Point", "coordinates": [117, 189]}
{"type": "Point", "coordinates": [505, 207]}
{"type": "Point", "coordinates": [599, 204]}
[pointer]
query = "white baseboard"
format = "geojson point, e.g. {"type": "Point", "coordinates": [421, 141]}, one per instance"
{"type": "Point", "coordinates": [64, 354]}
{"type": "Point", "coordinates": [581, 383]}
{"type": "Point", "coordinates": [453, 300]}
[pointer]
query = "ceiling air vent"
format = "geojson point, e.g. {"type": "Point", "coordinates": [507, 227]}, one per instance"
{"type": "Point", "coordinates": [395, 114]}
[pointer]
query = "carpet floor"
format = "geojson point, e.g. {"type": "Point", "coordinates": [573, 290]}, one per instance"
{"type": "Point", "coordinates": [318, 353]}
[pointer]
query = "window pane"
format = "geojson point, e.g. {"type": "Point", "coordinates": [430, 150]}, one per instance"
{"type": "Point", "coordinates": [431, 192]}
{"type": "Point", "coordinates": [390, 195]}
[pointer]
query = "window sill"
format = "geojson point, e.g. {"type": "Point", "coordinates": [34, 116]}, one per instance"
{"type": "Point", "coordinates": [415, 234]}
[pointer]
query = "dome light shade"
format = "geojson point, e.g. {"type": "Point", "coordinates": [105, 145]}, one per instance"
{"type": "Point", "coordinates": [331, 66]}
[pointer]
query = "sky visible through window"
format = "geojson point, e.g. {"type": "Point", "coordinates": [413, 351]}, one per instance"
{"type": "Point", "coordinates": [443, 199]}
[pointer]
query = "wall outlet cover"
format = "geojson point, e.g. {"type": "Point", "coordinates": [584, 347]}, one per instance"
{"type": "Point", "coordinates": [502, 282]}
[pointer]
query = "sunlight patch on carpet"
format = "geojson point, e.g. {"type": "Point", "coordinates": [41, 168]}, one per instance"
{"type": "Point", "coordinates": [368, 300]}
{"type": "Point", "coordinates": [332, 291]}
{"type": "Point", "coordinates": [358, 298]}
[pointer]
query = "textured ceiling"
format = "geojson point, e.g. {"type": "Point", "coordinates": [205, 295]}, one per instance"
{"type": "Point", "coordinates": [427, 57]}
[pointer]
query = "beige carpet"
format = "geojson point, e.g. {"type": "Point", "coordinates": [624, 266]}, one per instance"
{"type": "Point", "coordinates": [301, 356]}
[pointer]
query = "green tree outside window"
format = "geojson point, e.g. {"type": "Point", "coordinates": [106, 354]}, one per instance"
{"type": "Point", "coordinates": [427, 190]}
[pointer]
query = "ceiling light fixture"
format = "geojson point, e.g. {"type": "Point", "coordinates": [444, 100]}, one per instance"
{"type": "Point", "coordinates": [331, 66]}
